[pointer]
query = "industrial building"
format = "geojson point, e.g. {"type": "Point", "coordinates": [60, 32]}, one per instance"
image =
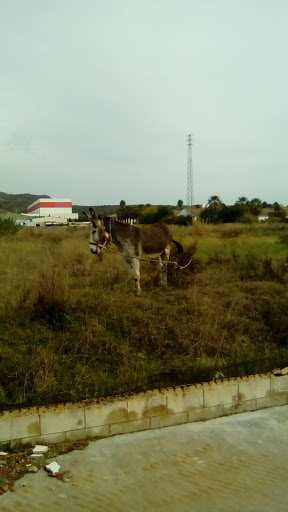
{"type": "Point", "coordinates": [49, 211]}
{"type": "Point", "coordinates": [44, 207]}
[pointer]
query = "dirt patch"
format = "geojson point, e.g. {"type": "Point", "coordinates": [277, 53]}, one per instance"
{"type": "Point", "coordinates": [19, 462]}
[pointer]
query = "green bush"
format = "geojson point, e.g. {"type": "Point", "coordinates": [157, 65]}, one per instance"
{"type": "Point", "coordinates": [182, 220]}
{"type": "Point", "coordinates": [8, 227]}
{"type": "Point", "coordinates": [152, 215]}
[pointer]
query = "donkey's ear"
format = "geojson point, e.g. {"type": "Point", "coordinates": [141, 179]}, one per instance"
{"type": "Point", "coordinates": [87, 216]}
{"type": "Point", "coordinates": [93, 214]}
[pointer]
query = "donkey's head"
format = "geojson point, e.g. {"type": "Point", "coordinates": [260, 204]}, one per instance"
{"type": "Point", "coordinates": [98, 235]}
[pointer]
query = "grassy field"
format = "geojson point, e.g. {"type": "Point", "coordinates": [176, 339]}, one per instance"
{"type": "Point", "coordinates": [71, 328]}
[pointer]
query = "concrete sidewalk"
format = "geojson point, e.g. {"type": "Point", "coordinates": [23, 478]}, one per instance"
{"type": "Point", "coordinates": [236, 463]}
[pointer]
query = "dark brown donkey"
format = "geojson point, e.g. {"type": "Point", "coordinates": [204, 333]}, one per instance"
{"type": "Point", "coordinates": [133, 243]}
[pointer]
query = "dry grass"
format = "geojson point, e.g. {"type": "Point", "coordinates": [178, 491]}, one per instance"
{"type": "Point", "coordinates": [71, 328]}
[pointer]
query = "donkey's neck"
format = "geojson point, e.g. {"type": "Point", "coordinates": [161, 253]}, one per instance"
{"type": "Point", "coordinates": [113, 226]}
{"type": "Point", "coordinates": [119, 231]}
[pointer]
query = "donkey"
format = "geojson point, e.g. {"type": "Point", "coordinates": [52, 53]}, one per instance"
{"type": "Point", "coordinates": [133, 243]}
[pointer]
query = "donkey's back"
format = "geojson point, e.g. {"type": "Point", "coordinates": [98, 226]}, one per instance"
{"type": "Point", "coordinates": [155, 238]}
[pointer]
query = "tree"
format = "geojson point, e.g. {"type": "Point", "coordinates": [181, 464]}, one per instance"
{"type": "Point", "coordinates": [180, 203]}
{"type": "Point", "coordinates": [278, 212]}
{"type": "Point", "coordinates": [209, 215]}
{"type": "Point", "coordinates": [277, 206]}
{"type": "Point", "coordinates": [241, 205]}
{"type": "Point", "coordinates": [122, 203]}
{"type": "Point", "coordinates": [242, 200]}
{"type": "Point", "coordinates": [211, 212]}
{"type": "Point", "coordinates": [215, 203]}
{"type": "Point", "coordinates": [256, 201]}
{"type": "Point", "coordinates": [255, 206]}
{"type": "Point", "coordinates": [231, 213]}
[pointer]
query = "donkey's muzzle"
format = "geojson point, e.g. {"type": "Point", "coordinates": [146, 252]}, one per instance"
{"type": "Point", "coordinates": [95, 249]}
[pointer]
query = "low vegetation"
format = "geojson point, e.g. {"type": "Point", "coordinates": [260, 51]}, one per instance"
{"type": "Point", "coordinates": [8, 226]}
{"type": "Point", "coordinates": [71, 328]}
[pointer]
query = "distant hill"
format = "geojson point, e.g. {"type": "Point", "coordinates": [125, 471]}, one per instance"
{"type": "Point", "coordinates": [17, 203]}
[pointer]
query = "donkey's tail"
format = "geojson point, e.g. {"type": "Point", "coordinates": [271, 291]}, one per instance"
{"type": "Point", "coordinates": [179, 247]}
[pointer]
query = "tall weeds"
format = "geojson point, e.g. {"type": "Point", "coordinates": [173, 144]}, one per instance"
{"type": "Point", "coordinates": [71, 328]}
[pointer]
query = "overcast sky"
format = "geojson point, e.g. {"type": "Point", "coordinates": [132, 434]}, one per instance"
{"type": "Point", "coordinates": [97, 98]}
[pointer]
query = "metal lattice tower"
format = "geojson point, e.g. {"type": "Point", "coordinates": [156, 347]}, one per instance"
{"type": "Point", "coordinates": [190, 195]}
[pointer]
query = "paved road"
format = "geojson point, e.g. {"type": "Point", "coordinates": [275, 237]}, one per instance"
{"type": "Point", "coordinates": [238, 463]}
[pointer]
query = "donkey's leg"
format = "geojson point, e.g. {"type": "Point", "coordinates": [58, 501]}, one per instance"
{"type": "Point", "coordinates": [133, 266]}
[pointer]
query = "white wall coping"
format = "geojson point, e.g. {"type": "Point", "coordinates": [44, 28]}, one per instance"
{"type": "Point", "coordinates": [145, 410]}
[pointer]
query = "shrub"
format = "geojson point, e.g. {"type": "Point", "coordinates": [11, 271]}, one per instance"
{"type": "Point", "coordinates": [151, 215]}
{"type": "Point", "coordinates": [8, 227]}
{"type": "Point", "coordinates": [182, 220]}
{"type": "Point", "coordinates": [255, 268]}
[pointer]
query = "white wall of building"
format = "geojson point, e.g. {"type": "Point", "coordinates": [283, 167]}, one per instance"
{"type": "Point", "coordinates": [44, 207]}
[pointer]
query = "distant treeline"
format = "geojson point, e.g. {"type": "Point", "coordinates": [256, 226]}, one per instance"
{"type": "Point", "coordinates": [216, 211]}
{"type": "Point", "coordinates": [244, 210]}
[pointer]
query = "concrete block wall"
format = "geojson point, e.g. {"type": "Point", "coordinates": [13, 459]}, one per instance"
{"type": "Point", "coordinates": [152, 409]}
